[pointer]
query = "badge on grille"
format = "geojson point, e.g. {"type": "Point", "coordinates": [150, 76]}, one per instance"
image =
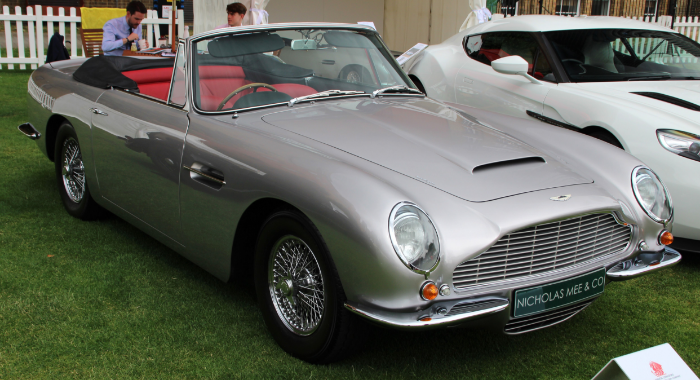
{"type": "Point", "coordinates": [561, 198]}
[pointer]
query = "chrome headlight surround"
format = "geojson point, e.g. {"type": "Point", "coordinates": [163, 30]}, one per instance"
{"type": "Point", "coordinates": [409, 215]}
{"type": "Point", "coordinates": [643, 173]}
{"type": "Point", "coordinates": [681, 143]}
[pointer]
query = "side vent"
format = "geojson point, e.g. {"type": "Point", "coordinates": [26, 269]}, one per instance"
{"type": "Point", "coordinates": [670, 99]}
{"type": "Point", "coordinates": [502, 164]}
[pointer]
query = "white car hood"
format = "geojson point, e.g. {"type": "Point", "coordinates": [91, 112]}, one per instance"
{"type": "Point", "coordinates": [687, 90]}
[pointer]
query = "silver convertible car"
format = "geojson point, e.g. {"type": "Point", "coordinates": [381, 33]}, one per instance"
{"type": "Point", "coordinates": [345, 198]}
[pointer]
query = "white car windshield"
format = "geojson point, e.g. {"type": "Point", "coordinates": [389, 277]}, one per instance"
{"type": "Point", "coordinates": [600, 55]}
{"type": "Point", "coordinates": [239, 71]}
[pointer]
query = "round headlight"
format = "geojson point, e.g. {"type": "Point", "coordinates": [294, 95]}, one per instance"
{"type": "Point", "coordinates": [414, 237]}
{"type": "Point", "coordinates": [651, 194]}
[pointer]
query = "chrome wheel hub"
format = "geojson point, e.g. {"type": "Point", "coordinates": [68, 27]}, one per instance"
{"type": "Point", "coordinates": [73, 171]}
{"type": "Point", "coordinates": [296, 285]}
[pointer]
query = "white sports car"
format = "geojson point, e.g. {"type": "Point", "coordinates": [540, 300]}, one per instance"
{"type": "Point", "coordinates": [630, 83]}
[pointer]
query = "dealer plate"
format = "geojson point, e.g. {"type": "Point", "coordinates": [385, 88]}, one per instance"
{"type": "Point", "coordinates": [557, 294]}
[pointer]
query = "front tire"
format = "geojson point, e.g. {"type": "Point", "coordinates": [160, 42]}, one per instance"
{"type": "Point", "coordinates": [70, 175]}
{"type": "Point", "coordinates": [299, 292]}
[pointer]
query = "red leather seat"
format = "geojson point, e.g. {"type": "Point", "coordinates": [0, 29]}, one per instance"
{"type": "Point", "coordinates": [152, 82]}
{"type": "Point", "coordinates": [215, 83]}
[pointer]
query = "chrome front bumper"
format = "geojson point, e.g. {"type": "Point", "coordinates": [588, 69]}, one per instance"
{"type": "Point", "coordinates": [28, 130]}
{"type": "Point", "coordinates": [461, 311]}
{"type": "Point", "coordinates": [644, 263]}
{"type": "Point", "coordinates": [436, 316]}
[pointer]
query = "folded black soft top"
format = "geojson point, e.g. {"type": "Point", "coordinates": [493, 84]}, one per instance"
{"type": "Point", "coordinates": [106, 71]}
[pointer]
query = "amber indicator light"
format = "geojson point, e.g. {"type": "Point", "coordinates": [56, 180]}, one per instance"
{"type": "Point", "coordinates": [426, 319]}
{"type": "Point", "coordinates": [429, 291]}
{"type": "Point", "coordinates": [666, 238]}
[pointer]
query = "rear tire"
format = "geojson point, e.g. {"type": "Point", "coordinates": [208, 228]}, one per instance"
{"type": "Point", "coordinates": [299, 292]}
{"type": "Point", "coordinates": [71, 177]}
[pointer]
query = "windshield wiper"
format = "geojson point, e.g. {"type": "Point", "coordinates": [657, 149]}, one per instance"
{"type": "Point", "coordinates": [399, 88]}
{"type": "Point", "coordinates": [651, 77]}
{"type": "Point", "coordinates": [324, 94]}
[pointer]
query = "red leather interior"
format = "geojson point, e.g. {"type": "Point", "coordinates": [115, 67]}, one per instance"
{"type": "Point", "coordinates": [153, 82]}
{"type": "Point", "coordinates": [215, 83]}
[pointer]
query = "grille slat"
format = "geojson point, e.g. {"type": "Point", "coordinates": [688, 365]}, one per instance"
{"type": "Point", "coordinates": [548, 318]}
{"type": "Point", "coordinates": [569, 239]}
{"type": "Point", "coordinates": [543, 248]}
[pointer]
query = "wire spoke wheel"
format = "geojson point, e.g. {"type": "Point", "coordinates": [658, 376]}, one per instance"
{"type": "Point", "coordinates": [73, 170]}
{"type": "Point", "coordinates": [296, 285]}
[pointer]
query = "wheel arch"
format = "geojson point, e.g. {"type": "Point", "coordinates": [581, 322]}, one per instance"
{"type": "Point", "coordinates": [595, 130]}
{"type": "Point", "coordinates": [246, 234]}
{"type": "Point", "coordinates": [52, 126]}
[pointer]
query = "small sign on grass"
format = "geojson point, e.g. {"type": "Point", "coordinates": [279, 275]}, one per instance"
{"type": "Point", "coordinates": [656, 363]}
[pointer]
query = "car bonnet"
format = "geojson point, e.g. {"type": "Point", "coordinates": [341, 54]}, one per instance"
{"type": "Point", "coordinates": [431, 143]}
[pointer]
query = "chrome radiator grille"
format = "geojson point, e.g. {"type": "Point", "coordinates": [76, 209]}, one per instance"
{"type": "Point", "coordinates": [543, 248]}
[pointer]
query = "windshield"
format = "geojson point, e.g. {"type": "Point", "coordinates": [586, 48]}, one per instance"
{"type": "Point", "coordinates": [238, 71]}
{"type": "Point", "coordinates": [601, 55]}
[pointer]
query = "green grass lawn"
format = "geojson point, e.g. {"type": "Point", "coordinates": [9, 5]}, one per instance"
{"type": "Point", "coordinates": [103, 300]}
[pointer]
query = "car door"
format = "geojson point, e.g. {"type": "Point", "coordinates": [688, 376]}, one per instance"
{"type": "Point", "coordinates": [137, 145]}
{"type": "Point", "coordinates": [478, 85]}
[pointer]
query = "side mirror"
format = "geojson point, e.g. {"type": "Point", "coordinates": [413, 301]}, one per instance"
{"type": "Point", "coordinates": [513, 65]}
{"type": "Point", "coordinates": [304, 45]}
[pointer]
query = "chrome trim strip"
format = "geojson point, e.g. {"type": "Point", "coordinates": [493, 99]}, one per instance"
{"type": "Point", "coordinates": [28, 130]}
{"type": "Point", "coordinates": [435, 322]}
{"type": "Point", "coordinates": [299, 25]}
{"type": "Point", "coordinates": [195, 171]}
{"type": "Point", "coordinates": [670, 257]}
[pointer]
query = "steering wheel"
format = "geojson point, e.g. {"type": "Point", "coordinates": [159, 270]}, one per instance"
{"type": "Point", "coordinates": [573, 60]}
{"type": "Point", "coordinates": [245, 87]}
{"type": "Point", "coordinates": [580, 64]}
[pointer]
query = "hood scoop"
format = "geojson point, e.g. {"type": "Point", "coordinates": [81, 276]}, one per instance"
{"type": "Point", "coordinates": [509, 164]}
{"type": "Point", "coordinates": [670, 99]}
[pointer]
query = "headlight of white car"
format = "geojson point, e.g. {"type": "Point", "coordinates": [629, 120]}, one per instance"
{"type": "Point", "coordinates": [651, 194]}
{"type": "Point", "coordinates": [681, 143]}
{"type": "Point", "coordinates": [414, 237]}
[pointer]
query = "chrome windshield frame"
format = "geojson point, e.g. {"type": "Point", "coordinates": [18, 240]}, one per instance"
{"type": "Point", "coordinates": [274, 27]}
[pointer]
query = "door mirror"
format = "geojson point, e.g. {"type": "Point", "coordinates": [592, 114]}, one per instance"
{"type": "Point", "coordinates": [513, 65]}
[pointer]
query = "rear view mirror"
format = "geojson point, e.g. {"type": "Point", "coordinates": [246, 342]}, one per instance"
{"type": "Point", "coordinates": [304, 45]}
{"type": "Point", "coordinates": [513, 65]}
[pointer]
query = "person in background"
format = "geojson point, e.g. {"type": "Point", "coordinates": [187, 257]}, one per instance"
{"type": "Point", "coordinates": [119, 33]}
{"type": "Point", "coordinates": [236, 12]}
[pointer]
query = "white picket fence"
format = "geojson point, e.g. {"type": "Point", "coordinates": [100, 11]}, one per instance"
{"type": "Point", "coordinates": [35, 29]}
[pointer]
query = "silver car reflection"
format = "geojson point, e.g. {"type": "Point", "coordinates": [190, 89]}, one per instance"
{"type": "Point", "coordinates": [300, 157]}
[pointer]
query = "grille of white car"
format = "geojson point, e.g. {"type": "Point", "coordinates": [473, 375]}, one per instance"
{"type": "Point", "coordinates": [543, 248]}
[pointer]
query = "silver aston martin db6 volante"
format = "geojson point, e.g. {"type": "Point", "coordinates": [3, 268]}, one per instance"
{"type": "Point", "coordinates": [300, 157]}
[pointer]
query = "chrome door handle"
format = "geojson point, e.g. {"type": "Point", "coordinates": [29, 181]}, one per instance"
{"type": "Point", "coordinates": [206, 174]}
{"type": "Point", "coordinates": [98, 112]}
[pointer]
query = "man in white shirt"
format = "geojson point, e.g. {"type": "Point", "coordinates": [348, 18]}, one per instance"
{"type": "Point", "coordinates": [236, 12]}
{"type": "Point", "coordinates": [119, 33]}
